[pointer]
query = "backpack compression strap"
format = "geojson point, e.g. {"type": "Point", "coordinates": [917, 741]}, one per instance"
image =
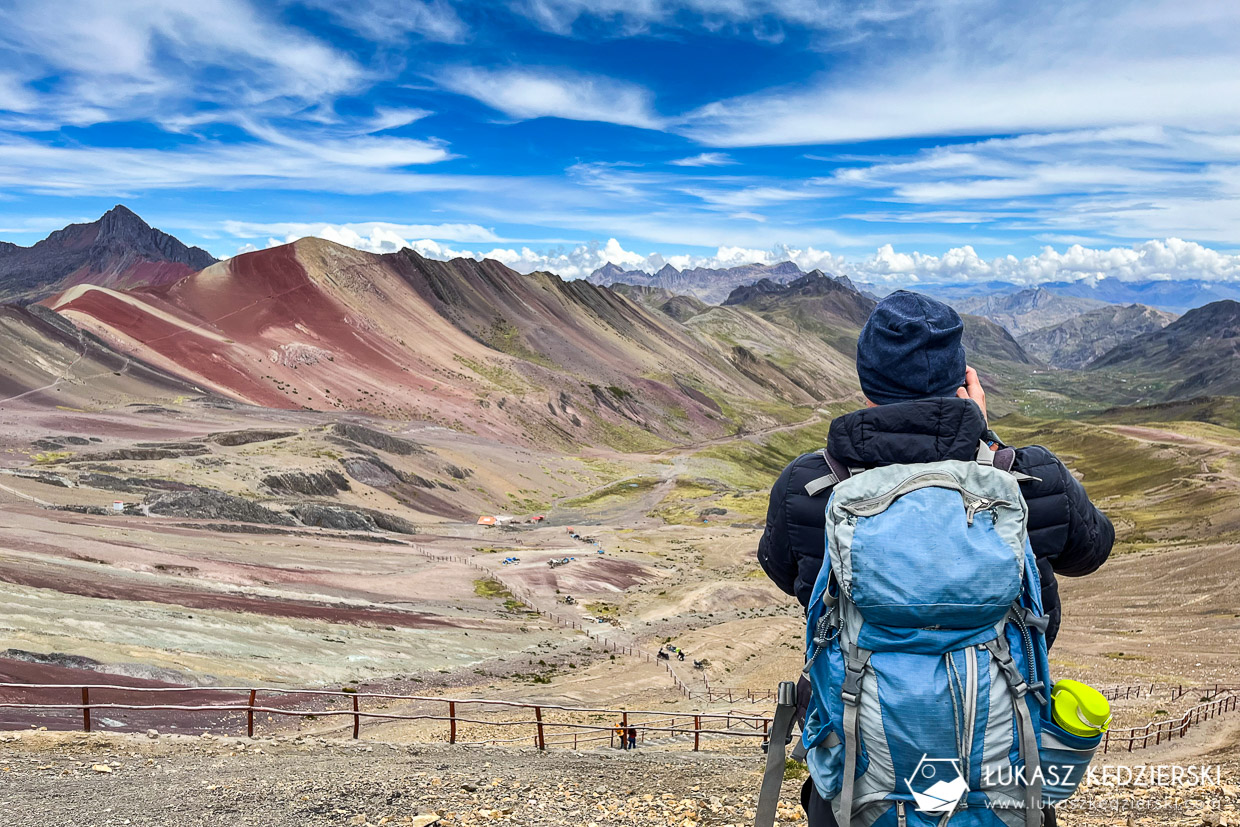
{"type": "Point", "coordinates": [854, 669]}
{"type": "Point", "coordinates": [776, 744]}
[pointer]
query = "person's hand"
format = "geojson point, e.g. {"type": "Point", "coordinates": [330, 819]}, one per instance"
{"type": "Point", "coordinates": [973, 390]}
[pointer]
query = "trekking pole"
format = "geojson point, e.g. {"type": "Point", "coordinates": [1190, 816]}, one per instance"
{"type": "Point", "coordinates": [776, 745]}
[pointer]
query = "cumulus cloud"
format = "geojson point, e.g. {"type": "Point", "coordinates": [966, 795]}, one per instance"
{"type": "Point", "coordinates": [554, 93]}
{"type": "Point", "coordinates": [1154, 260]}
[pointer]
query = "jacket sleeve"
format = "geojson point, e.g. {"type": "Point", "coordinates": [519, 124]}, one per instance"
{"type": "Point", "coordinates": [775, 552]}
{"type": "Point", "coordinates": [1064, 526]}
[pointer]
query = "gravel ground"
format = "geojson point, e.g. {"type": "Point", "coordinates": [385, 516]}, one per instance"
{"type": "Point", "coordinates": [101, 780]}
{"type": "Point", "coordinates": [75, 780]}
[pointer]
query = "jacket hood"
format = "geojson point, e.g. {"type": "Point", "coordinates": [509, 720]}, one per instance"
{"type": "Point", "coordinates": [925, 430]}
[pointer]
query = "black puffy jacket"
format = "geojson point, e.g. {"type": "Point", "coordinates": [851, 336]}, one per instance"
{"type": "Point", "coordinates": [1068, 534]}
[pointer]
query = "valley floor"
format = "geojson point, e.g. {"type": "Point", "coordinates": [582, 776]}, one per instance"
{"type": "Point", "coordinates": [94, 596]}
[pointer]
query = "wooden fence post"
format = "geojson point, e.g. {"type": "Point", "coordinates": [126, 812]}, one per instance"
{"type": "Point", "coordinates": [85, 709]}
{"type": "Point", "coordinates": [451, 722]}
{"type": "Point", "coordinates": [542, 741]}
{"type": "Point", "coordinates": [249, 715]}
{"type": "Point", "coordinates": [697, 732]}
{"type": "Point", "coordinates": [357, 719]}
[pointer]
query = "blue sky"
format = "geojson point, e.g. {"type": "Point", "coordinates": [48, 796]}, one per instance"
{"type": "Point", "coordinates": [941, 141]}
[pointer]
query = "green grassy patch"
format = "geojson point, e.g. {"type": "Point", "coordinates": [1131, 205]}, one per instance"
{"type": "Point", "coordinates": [619, 491]}
{"type": "Point", "coordinates": [49, 457]}
{"type": "Point", "coordinates": [491, 589]}
{"type": "Point", "coordinates": [754, 464]}
{"type": "Point", "coordinates": [1153, 491]}
{"type": "Point", "coordinates": [794, 770]}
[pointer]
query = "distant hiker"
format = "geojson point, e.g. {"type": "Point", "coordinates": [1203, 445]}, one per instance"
{"type": "Point", "coordinates": [620, 734]}
{"type": "Point", "coordinates": [632, 733]}
{"type": "Point", "coordinates": [663, 655]}
{"type": "Point", "coordinates": [924, 405]}
{"type": "Point", "coordinates": [680, 654]}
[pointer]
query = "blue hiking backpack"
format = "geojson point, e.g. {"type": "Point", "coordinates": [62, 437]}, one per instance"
{"type": "Point", "coordinates": [926, 653]}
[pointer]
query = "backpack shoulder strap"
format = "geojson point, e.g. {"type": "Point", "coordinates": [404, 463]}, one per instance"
{"type": "Point", "coordinates": [1003, 459]}
{"type": "Point", "coordinates": [839, 473]}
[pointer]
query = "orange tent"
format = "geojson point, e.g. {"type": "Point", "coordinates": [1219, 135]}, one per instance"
{"type": "Point", "coordinates": [486, 521]}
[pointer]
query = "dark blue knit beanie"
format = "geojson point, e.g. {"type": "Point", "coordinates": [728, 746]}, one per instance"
{"type": "Point", "coordinates": [910, 349]}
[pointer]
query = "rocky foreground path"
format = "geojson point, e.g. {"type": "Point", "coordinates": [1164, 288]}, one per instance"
{"type": "Point", "coordinates": [102, 780]}
{"type": "Point", "coordinates": [76, 780]}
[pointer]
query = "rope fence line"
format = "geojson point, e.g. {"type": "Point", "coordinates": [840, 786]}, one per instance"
{"type": "Point", "coordinates": [729, 724]}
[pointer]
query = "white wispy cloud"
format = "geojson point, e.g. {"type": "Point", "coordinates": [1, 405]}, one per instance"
{"type": "Point", "coordinates": [1060, 66]}
{"type": "Point", "coordinates": [705, 159]}
{"type": "Point", "coordinates": [1129, 182]}
{"type": "Point", "coordinates": [393, 20]}
{"type": "Point", "coordinates": [366, 164]}
{"type": "Point", "coordinates": [111, 60]}
{"type": "Point", "coordinates": [761, 18]}
{"type": "Point", "coordinates": [526, 93]}
{"type": "Point", "coordinates": [375, 236]}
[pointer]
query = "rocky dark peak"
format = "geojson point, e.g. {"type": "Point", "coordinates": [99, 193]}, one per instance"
{"type": "Point", "coordinates": [667, 271]}
{"type": "Point", "coordinates": [8, 248]}
{"type": "Point", "coordinates": [1215, 321]}
{"type": "Point", "coordinates": [118, 250]}
{"type": "Point", "coordinates": [818, 283]}
{"type": "Point", "coordinates": [121, 226]}
{"type": "Point", "coordinates": [748, 292]}
{"type": "Point", "coordinates": [814, 283]}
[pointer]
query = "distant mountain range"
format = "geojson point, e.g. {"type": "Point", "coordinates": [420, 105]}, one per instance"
{"type": "Point", "coordinates": [1172, 295]}
{"type": "Point", "coordinates": [535, 359]}
{"type": "Point", "coordinates": [712, 286]}
{"type": "Point", "coordinates": [1026, 310]}
{"type": "Point", "coordinates": [119, 250]}
{"type": "Point", "coordinates": [1079, 340]}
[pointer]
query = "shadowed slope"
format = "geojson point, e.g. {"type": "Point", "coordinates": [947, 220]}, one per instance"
{"type": "Point", "coordinates": [46, 362]}
{"type": "Point", "coordinates": [1195, 355]}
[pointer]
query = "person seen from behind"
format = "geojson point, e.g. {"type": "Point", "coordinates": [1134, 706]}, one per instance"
{"type": "Point", "coordinates": [924, 404]}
